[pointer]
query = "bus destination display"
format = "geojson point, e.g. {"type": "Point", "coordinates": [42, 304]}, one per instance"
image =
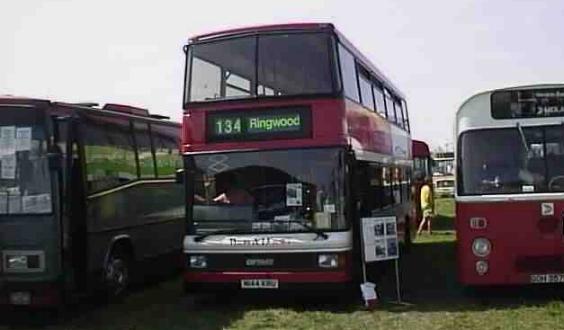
{"type": "Point", "coordinates": [259, 124]}
{"type": "Point", "coordinates": [528, 103]}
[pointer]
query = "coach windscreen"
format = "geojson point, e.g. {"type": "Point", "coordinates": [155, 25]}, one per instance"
{"type": "Point", "coordinates": [25, 186]}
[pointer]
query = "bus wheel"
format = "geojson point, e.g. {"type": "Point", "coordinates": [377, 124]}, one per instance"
{"type": "Point", "coordinates": [117, 274]}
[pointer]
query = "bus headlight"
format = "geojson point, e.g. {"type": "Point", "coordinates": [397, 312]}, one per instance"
{"type": "Point", "coordinates": [23, 261]}
{"type": "Point", "coordinates": [481, 267]}
{"type": "Point", "coordinates": [16, 262]}
{"type": "Point", "coordinates": [198, 262]}
{"type": "Point", "coordinates": [481, 247]}
{"type": "Point", "coordinates": [328, 261]}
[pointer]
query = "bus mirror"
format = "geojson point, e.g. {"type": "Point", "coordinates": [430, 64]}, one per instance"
{"type": "Point", "coordinates": [54, 159]}
{"type": "Point", "coordinates": [180, 176]}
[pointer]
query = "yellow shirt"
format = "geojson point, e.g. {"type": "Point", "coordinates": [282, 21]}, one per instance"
{"type": "Point", "coordinates": [426, 200]}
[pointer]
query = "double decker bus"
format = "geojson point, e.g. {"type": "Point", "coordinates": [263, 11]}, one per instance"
{"type": "Point", "coordinates": [510, 186]}
{"type": "Point", "coordinates": [290, 136]}
{"type": "Point", "coordinates": [88, 199]}
{"type": "Point", "coordinates": [422, 168]}
{"type": "Point", "coordinates": [422, 161]}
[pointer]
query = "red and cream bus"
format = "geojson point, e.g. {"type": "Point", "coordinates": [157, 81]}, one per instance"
{"type": "Point", "coordinates": [290, 136]}
{"type": "Point", "coordinates": [510, 186]}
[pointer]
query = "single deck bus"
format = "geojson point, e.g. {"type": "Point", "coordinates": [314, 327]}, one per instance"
{"type": "Point", "coordinates": [510, 186]}
{"type": "Point", "coordinates": [88, 199]}
{"type": "Point", "coordinates": [290, 136]}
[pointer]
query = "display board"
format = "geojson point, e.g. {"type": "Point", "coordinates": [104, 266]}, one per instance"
{"type": "Point", "coordinates": [380, 238]}
{"type": "Point", "coordinates": [276, 123]}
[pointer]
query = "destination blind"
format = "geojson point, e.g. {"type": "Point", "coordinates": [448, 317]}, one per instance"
{"type": "Point", "coordinates": [259, 124]}
{"type": "Point", "coordinates": [528, 103]}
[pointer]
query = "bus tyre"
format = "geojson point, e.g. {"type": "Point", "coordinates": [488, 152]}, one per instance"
{"type": "Point", "coordinates": [117, 275]}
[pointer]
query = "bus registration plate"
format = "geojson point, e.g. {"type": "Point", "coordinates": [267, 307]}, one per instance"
{"type": "Point", "coordinates": [259, 284]}
{"type": "Point", "coordinates": [547, 278]}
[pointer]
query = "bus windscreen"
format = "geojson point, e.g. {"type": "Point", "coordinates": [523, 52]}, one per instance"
{"type": "Point", "coordinates": [525, 160]}
{"type": "Point", "coordinates": [528, 103]}
{"type": "Point", "coordinates": [270, 191]}
{"type": "Point", "coordinates": [264, 65]}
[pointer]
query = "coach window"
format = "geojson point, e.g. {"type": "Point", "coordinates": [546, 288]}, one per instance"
{"type": "Point", "coordinates": [109, 153]}
{"type": "Point", "coordinates": [348, 74]}
{"type": "Point", "coordinates": [166, 151]}
{"type": "Point", "coordinates": [144, 150]}
{"type": "Point", "coordinates": [365, 91]}
{"type": "Point", "coordinates": [379, 98]}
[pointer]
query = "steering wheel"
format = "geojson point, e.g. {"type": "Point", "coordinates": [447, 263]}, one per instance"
{"type": "Point", "coordinates": [553, 180]}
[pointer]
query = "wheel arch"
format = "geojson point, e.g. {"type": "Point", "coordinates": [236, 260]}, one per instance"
{"type": "Point", "coordinates": [124, 242]}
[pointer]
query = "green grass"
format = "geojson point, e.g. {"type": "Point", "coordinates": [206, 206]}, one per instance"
{"type": "Point", "coordinates": [435, 301]}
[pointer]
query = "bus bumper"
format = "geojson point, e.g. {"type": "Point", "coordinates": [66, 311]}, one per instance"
{"type": "Point", "coordinates": [309, 281]}
{"type": "Point", "coordinates": [43, 294]}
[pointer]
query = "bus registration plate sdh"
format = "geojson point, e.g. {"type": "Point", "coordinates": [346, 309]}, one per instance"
{"type": "Point", "coordinates": [259, 284]}
{"type": "Point", "coordinates": [547, 278]}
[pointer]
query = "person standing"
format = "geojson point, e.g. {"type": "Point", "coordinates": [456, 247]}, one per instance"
{"type": "Point", "coordinates": [427, 205]}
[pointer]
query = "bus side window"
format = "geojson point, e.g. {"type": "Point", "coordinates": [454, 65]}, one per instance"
{"type": "Point", "coordinates": [109, 153]}
{"type": "Point", "coordinates": [348, 74]}
{"type": "Point", "coordinates": [144, 150]}
{"type": "Point", "coordinates": [379, 99]}
{"type": "Point", "coordinates": [371, 192]}
{"type": "Point", "coordinates": [387, 186]}
{"type": "Point", "coordinates": [396, 182]}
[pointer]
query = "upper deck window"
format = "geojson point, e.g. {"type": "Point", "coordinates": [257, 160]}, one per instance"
{"type": "Point", "coordinates": [392, 115]}
{"type": "Point", "coordinates": [379, 98]}
{"type": "Point", "coordinates": [366, 91]}
{"type": "Point", "coordinates": [263, 65]}
{"type": "Point", "coordinates": [348, 72]}
{"type": "Point", "coordinates": [530, 103]}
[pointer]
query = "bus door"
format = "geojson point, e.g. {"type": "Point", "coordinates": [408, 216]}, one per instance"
{"type": "Point", "coordinates": [73, 217]}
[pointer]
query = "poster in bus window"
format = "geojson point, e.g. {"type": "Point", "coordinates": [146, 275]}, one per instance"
{"type": "Point", "coordinates": [380, 238]}
{"type": "Point", "coordinates": [3, 202]}
{"type": "Point", "coordinates": [7, 140]}
{"type": "Point", "coordinates": [293, 194]}
{"type": "Point", "coordinates": [23, 138]}
{"type": "Point", "coordinates": [8, 166]}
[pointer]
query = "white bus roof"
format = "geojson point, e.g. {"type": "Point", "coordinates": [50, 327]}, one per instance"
{"type": "Point", "coordinates": [475, 112]}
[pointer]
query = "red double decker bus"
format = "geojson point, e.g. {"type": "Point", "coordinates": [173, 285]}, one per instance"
{"type": "Point", "coordinates": [422, 168]}
{"type": "Point", "coordinates": [290, 136]}
{"type": "Point", "coordinates": [510, 186]}
{"type": "Point", "coordinates": [422, 161]}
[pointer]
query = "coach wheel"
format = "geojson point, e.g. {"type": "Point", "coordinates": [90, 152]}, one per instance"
{"type": "Point", "coordinates": [117, 274]}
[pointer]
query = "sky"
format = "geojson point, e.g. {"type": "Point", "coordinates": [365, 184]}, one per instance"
{"type": "Point", "coordinates": [437, 52]}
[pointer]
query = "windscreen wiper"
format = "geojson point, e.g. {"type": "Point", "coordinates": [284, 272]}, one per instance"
{"type": "Point", "coordinates": [201, 237]}
{"type": "Point", "coordinates": [523, 138]}
{"type": "Point", "coordinates": [319, 232]}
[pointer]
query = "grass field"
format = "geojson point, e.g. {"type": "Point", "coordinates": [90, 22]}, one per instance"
{"type": "Point", "coordinates": [434, 301]}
